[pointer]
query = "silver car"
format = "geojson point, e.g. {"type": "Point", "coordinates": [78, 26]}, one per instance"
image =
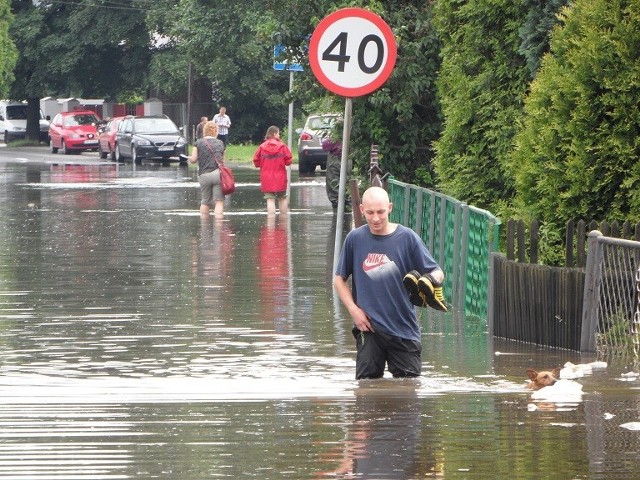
{"type": "Point", "coordinates": [310, 152]}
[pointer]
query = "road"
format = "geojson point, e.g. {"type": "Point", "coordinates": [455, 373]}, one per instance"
{"type": "Point", "coordinates": [43, 154]}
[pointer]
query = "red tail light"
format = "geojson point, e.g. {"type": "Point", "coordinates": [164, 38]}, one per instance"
{"type": "Point", "coordinates": [305, 136]}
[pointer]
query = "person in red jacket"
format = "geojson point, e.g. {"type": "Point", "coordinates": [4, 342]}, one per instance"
{"type": "Point", "coordinates": [272, 158]}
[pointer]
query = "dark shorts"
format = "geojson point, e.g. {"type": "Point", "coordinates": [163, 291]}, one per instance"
{"type": "Point", "coordinates": [274, 195]}
{"type": "Point", "coordinates": [403, 357]}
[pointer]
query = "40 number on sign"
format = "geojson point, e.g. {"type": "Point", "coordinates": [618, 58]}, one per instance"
{"type": "Point", "coordinates": [352, 52]}
{"type": "Point", "coordinates": [340, 44]}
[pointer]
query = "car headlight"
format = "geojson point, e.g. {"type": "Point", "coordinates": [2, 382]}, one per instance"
{"type": "Point", "coordinates": [181, 142]}
{"type": "Point", "coordinates": [143, 141]}
{"type": "Point", "coordinates": [74, 135]}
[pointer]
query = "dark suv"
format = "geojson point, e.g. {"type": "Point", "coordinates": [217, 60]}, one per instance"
{"type": "Point", "coordinates": [154, 136]}
{"type": "Point", "coordinates": [310, 152]}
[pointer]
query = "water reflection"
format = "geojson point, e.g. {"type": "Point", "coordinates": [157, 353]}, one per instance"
{"type": "Point", "coordinates": [385, 436]}
{"type": "Point", "coordinates": [141, 341]}
{"type": "Point", "coordinates": [275, 275]}
{"type": "Point", "coordinates": [213, 248]}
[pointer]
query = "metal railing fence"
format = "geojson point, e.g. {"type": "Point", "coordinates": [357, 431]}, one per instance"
{"type": "Point", "coordinates": [460, 237]}
{"type": "Point", "coordinates": [611, 308]}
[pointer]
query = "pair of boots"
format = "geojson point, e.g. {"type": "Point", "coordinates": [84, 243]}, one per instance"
{"type": "Point", "coordinates": [424, 290]}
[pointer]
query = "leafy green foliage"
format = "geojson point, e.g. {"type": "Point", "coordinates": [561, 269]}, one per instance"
{"type": "Point", "coordinates": [229, 47]}
{"type": "Point", "coordinates": [481, 84]}
{"type": "Point", "coordinates": [9, 52]}
{"type": "Point", "coordinates": [541, 17]}
{"type": "Point", "coordinates": [403, 116]}
{"type": "Point", "coordinates": [61, 56]}
{"type": "Point", "coordinates": [576, 155]}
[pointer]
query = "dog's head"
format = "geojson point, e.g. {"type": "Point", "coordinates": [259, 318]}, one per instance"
{"type": "Point", "coordinates": [542, 379]}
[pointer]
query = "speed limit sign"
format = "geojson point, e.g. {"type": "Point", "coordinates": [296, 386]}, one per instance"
{"type": "Point", "coordinates": [352, 52]}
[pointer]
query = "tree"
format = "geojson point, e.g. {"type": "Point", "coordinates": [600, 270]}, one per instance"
{"type": "Point", "coordinates": [541, 17]}
{"type": "Point", "coordinates": [577, 152]}
{"type": "Point", "coordinates": [232, 48]}
{"type": "Point", "coordinates": [403, 116]}
{"type": "Point", "coordinates": [481, 86]}
{"type": "Point", "coordinates": [9, 52]}
{"type": "Point", "coordinates": [59, 55]}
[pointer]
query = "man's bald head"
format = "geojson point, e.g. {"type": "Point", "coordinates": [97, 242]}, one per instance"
{"type": "Point", "coordinates": [375, 194]}
{"type": "Point", "coordinates": [376, 207]}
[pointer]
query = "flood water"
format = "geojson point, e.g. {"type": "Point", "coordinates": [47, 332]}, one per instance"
{"type": "Point", "coordinates": [140, 341]}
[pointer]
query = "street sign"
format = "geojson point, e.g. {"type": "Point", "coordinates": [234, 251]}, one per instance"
{"type": "Point", "coordinates": [352, 52]}
{"type": "Point", "coordinates": [279, 64]}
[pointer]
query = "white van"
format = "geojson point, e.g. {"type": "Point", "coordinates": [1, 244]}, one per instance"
{"type": "Point", "coordinates": [13, 121]}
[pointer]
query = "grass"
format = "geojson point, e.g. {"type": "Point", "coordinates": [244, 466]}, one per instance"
{"type": "Point", "coordinates": [240, 153]}
{"type": "Point", "coordinates": [24, 143]}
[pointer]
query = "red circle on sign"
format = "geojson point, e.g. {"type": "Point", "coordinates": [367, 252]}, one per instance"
{"type": "Point", "coordinates": [343, 82]}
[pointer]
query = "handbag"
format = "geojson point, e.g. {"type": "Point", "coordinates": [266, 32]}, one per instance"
{"type": "Point", "coordinates": [227, 180]}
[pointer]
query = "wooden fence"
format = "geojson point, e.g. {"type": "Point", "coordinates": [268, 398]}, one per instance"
{"type": "Point", "coordinates": [535, 303]}
{"type": "Point", "coordinates": [541, 304]}
{"type": "Point", "coordinates": [524, 248]}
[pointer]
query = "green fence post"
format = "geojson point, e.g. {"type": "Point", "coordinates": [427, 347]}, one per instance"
{"type": "Point", "coordinates": [419, 201]}
{"type": "Point", "coordinates": [407, 204]}
{"type": "Point", "coordinates": [464, 249]}
{"type": "Point", "coordinates": [457, 249]}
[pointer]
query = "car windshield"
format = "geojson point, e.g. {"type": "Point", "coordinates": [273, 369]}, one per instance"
{"type": "Point", "coordinates": [16, 112]}
{"type": "Point", "coordinates": [155, 125]}
{"type": "Point", "coordinates": [81, 119]}
{"type": "Point", "coordinates": [321, 123]}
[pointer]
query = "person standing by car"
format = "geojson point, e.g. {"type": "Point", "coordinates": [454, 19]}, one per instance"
{"type": "Point", "coordinates": [377, 256]}
{"type": "Point", "coordinates": [272, 158]}
{"type": "Point", "coordinates": [224, 124]}
{"type": "Point", "coordinates": [200, 127]}
{"type": "Point", "coordinates": [207, 153]}
{"type": "Point", "coordinates": [332, 144]}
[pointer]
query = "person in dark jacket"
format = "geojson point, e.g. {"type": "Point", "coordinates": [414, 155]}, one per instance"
{"type": "Point", "coordinates": [332, 144]}
{"type": "Point", "coordinates": [200, 127]}
{"type": "Point", "coordinates": [272, 158]}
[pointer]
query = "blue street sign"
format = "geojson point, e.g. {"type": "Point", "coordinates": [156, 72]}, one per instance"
{"type": "Point", "coordinates": [278, 52]}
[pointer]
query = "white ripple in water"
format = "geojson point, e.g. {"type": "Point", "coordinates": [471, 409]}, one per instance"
{"type": "Point", "coordinates": [273, 384]}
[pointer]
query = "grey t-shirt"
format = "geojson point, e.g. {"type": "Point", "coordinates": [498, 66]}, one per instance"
{"type": "Point", "coordinates": [210, 151]}
{"type": "Point", "coordinates": [377, 264]}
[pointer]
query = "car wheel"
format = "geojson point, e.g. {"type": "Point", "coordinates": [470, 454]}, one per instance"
{"type": "Point", "coordinates": [52, 148]}
{"type": "Point", "coordinates": [6, 137]}
{"type": "Point", "coordinates": [119, 158]}
{"type": "Point", "coordinates": [63, 148]}
{"type": "Point", "coordinates": [134, 156]}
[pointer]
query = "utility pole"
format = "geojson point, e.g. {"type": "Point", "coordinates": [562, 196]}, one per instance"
{"type": "Point", "coordinates": [187, 127]}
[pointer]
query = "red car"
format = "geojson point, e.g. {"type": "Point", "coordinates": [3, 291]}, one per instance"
{"type": "Point", "coordinates": [73, 131]}
{"type": "Point", "coordinates": [107, 138]}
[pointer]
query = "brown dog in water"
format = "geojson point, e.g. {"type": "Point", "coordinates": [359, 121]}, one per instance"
{"type": "Point", "coordinates": [542, 379]}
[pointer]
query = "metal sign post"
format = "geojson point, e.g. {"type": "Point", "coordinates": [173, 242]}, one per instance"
{"type": "Point", "coordinates": [279, 65]}
{"type": "Point", "coordinates": [290, 132]}
{"type": "Point", "coordinates": [352, 53]}
{"type": "Point", "coordinates": [346, 133]}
